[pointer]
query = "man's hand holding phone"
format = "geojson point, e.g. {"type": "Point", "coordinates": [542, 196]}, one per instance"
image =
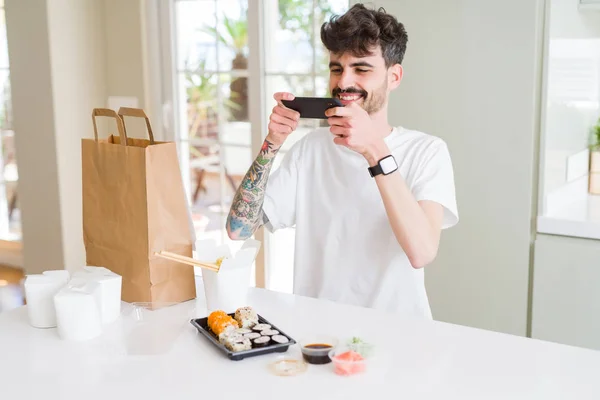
{"type": "Point", "coordinates": [283, 120]}
{"type": "Point", "coordinates": [352, 127]}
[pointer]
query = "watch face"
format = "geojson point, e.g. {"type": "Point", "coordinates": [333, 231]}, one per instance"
{"type": "Point", "coordinates": [388, 165]}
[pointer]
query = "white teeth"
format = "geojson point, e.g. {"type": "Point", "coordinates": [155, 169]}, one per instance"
{"type": "Point", "coordinates": [349, 98]}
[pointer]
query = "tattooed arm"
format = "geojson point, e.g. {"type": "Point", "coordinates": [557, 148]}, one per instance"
{"type": "Point", "coordinates": [246, 215]}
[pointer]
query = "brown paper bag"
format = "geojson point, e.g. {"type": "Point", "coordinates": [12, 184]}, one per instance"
{"type": "Point", "coordinates": [134, 205]}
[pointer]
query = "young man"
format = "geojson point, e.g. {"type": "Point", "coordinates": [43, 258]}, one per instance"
{"type": "Point", "coordinates": [368, 200]}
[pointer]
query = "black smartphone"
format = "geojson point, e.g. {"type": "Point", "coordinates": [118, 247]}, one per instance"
{"type": "Point", "coordinates": [312, 107]}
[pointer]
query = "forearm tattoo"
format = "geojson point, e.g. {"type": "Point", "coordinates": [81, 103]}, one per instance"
{"type": "Point", "coordinates": [245, 215]}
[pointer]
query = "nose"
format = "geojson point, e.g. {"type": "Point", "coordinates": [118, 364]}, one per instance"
{"type": "Point", "coordinates": [346, 80]}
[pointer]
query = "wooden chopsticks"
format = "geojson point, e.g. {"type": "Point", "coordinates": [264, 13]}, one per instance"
{"type": "Point", "coordinates": [187, 260]}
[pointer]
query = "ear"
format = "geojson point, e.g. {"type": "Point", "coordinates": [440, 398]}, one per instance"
{"type": "Point", "coordinates": [395, 73]}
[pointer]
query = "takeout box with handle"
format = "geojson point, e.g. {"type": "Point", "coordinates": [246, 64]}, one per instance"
{"type": "Point", "coordinates": [227, 289]}
{"type": "Point", "coordinates": [134, 204]}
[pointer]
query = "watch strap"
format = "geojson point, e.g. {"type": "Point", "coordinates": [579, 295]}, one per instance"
{"type": "Point", "coordinates": [375, 170]}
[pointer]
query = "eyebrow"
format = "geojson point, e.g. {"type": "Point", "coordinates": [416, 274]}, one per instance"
{"type": "Point", "coordinates": [356, 64]}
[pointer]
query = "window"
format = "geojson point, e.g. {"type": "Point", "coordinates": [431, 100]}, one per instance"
{"type": "Point", "coordinates": [296, 62]}
{"type": "Point", "coordinates": [574, 72]}
{"type": "Point", "coordinates": [213, 127]}
{"type": "Point", "coordinates": [10, 227]}
{"type": "Point", "coordinates": [211, 43]}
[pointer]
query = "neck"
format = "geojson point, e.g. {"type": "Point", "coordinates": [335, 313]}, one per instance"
{"type": "Point", "coordinates": [380, 122]}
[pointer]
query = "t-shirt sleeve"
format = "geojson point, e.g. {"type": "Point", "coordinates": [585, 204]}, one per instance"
{"type": "Point", "coordinates": [435, 182]}
{"type": "Point", "coordinates": [279, 207]}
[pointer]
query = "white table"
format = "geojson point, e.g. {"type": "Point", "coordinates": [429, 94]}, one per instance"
{"type": "Point", "coordinates": [414, 360]}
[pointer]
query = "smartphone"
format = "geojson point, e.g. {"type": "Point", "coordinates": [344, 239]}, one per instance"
{"type": "Point", "coordinates": [312, 107]}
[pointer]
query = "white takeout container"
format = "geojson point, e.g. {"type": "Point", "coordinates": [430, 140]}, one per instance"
{"type": "Point", "coordinates": [110, 290]}
{"type": "Point", "coordinates": [39, 293]}
{"type": "Point", "coordinates": [227, 289]}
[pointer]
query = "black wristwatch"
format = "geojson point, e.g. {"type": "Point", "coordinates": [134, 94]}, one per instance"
{"type": "Point", "coordinates": [385, 166]}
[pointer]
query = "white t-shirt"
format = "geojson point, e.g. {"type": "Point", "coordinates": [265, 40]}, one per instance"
{"type": "Point", "coordinates": [345, 248]}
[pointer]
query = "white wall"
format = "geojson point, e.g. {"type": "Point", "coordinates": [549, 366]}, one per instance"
{"type": "Point", "coordinates": [76, 35]}
{"type": "Point", "coordinates": [472, 77]}
{"type": "Point", "coordinates": [35, 139]}
{"type": "Point", "coordinates": [124, 63]}
{"type": "Point", "coordinates": [133, 58]}
{"type": "Point", "coordinates": [567, 21]}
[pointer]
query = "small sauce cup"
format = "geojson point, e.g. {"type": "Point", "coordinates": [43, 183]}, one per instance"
{"type": "Point", "coordinates": [315, 349]}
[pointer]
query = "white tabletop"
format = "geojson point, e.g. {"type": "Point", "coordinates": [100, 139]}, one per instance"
{"type": "Point", "coordinates": [414, 359]}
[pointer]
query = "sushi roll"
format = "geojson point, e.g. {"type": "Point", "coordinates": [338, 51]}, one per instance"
{"type": "Point", "coordinates": [252, 335]}
{"type": "Point", "coordinates": [239, 344]}
{"type": "Point", "coordinates": [243, 331]}
{"type": "Point", "coordinates": [214, 317]}
{"type": "Point", "coordinates": [229, 334]}
{"type": "Point", "coordinates": [269, 332]}
{"type": "Point", "coordinates": [224, 326]}
{"type": "Point", "coordinates": [280, 339]}
{"type": "Point", "coordinates": [246, 317]}
{"type": "Point", "coordinates": [218, 322]}
{"type": "Point", "coordinates": [262, 341]}
{"type": "Point", "coordinates": [261, 327]}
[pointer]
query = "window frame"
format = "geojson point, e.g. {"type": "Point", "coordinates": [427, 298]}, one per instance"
{"type": "Point", "coordinates": [173, 114]}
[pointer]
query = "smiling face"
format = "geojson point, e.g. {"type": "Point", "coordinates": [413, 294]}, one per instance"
{"type": "Point", "coordinates": [363, 80]}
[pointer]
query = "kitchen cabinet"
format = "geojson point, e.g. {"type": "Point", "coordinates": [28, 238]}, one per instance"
{"type": "Point", "coordinates": [566, 291]}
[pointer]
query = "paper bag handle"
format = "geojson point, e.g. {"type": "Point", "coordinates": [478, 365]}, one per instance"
{"type": "Point", "coordinates": [107, 112]}
{"type": "Point", "coordinates": [139, 113]}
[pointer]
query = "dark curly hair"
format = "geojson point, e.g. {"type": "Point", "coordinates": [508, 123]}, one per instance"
{"type": "Point", "coordinates": [359, 30]}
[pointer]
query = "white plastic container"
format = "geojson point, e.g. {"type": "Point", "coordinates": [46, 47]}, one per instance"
{"type": "Point", "coordinates": [78, 313]}
{"type": "Point", "coordinates": [39, 294]}
{"type": "Point", "coordinates": [227, 289]}
{"type": "Point", "coordinates": [110, 290]}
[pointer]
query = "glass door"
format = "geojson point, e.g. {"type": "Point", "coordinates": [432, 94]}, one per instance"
{"type": "Point", "coordinates": [222, 62]}
{"type": "Point", "coordinates": [212, 124]}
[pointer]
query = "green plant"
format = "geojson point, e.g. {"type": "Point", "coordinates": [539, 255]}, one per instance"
{"type": "Point", "coordinates": [596, 136]}
{"type": "Point", "coordinates": [202, 95]}
{"type": "Point", "coordinates": [297, 17]}
{"type": "Point", "coordinates": [234, 36]}
{"type": "Point", "coordinates": [202, 106]}
{"type": "Point", "coordinates": [201, 86]}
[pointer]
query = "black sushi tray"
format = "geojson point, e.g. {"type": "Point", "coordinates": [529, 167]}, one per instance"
{"type": "Point", "coordinates": [202, 325]}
